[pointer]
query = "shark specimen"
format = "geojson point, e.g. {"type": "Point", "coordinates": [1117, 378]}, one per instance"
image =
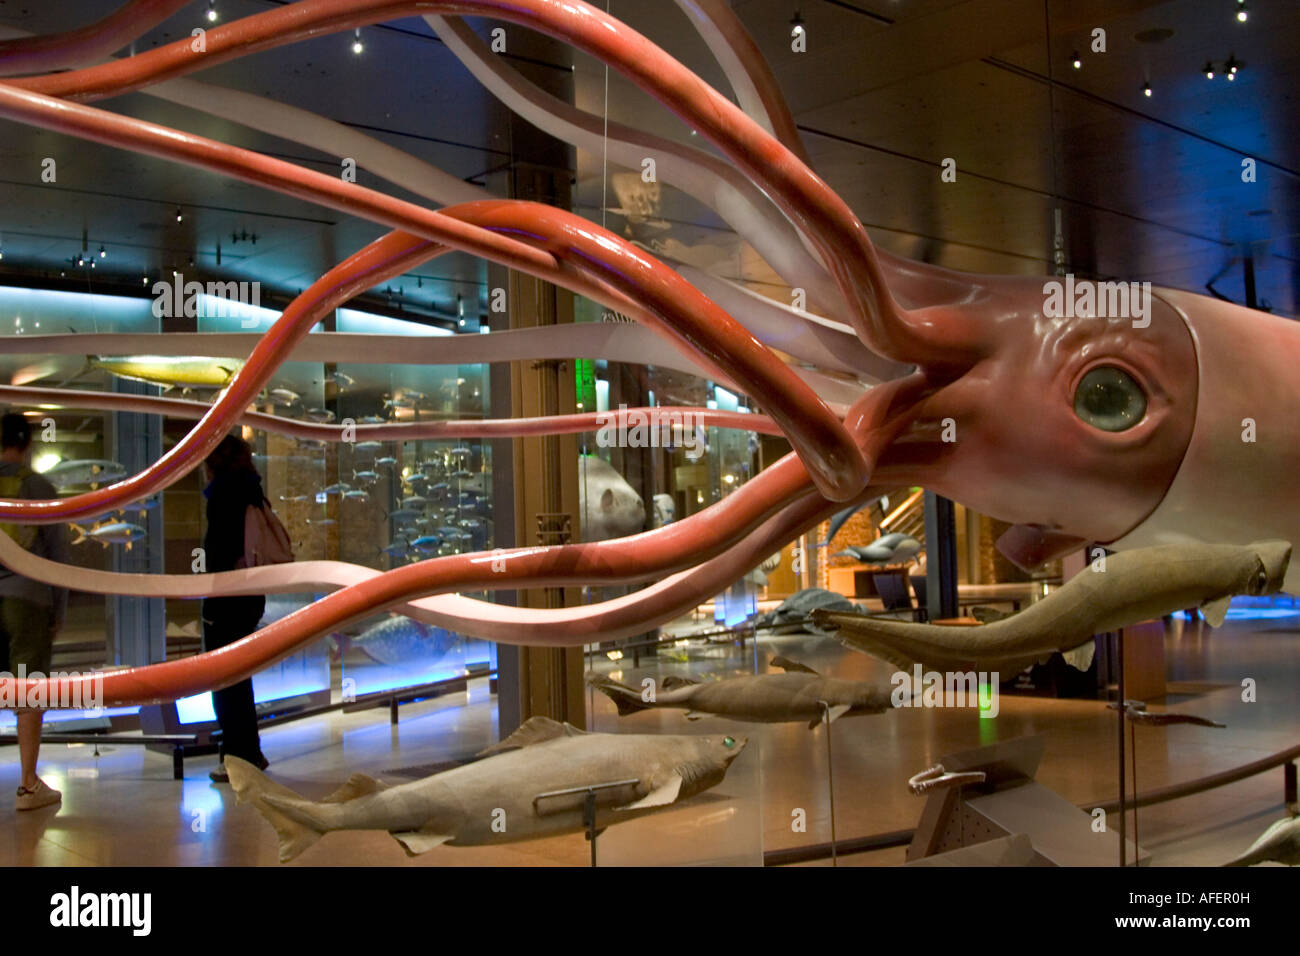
{"type": "Point", "coordinates": [799, 694]}
{"type": "Point", "coordinates": [1134, 586]}
{"type": "Point", "coordinates": [532, 784]}
{"type": "Point", "coordinates": [1280, 843]}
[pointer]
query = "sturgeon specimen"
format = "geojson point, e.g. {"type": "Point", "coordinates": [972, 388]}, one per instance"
{"type": "Point", "coordinates": [1280, 843]}
{"type": "Point", "coordinates": [798, 694]}
{"type": "Point", "coordinates": [532, 784]}
{"type": "Point", "coordinates": [1135, 586]}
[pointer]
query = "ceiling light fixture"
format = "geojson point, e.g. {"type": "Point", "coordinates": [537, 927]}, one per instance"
{"type": "Point", "coordinates": [212, 11]}
{"type": "Point", "coordinates": [1242, 15]}
{"type": "Point", "coordinates": [1076, 61]}
{"type": "Point", "coordinates": [796, 25]}
{"type": "Point", "coordinates": [102, 253]}
{"type": "Point", "coordinates": [1146, 89]}
{"type": "Point", "coordinates": [1208, 70]}
{"type": "Point", "coordinates": [180, 217]}
{"type": "Point", "coordinates": [357, 46]}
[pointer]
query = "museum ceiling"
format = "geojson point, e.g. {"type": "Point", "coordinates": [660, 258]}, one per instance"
{"type": "Point", "coordinates": [1148, 187]}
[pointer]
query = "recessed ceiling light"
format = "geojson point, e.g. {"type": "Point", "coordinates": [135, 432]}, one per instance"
{"type": "Point", "coordinates": [357, 46]}
{"type": "Point", "coordinates": [1146, 89]}
{"type": "Point", "coordinates": [1075, 61]}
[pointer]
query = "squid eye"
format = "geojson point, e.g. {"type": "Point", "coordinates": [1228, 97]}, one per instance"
{"type": "Point", "coordinates": [1109, 399]}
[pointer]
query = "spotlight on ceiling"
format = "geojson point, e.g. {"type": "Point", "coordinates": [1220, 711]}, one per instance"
{"type": "Point", "coordinates": [212, 11]}
{"type": "Point", "coordinates": [103, 254]}
{"type": "Point", "coordinates": [144, 280]}
{"type": "Point", "coordinates": [1146, 89]}
{"type": "Point", "coordinates": [357, 46]}
{"type": "Point", "coordinates": [180, 217]}
{"type": "Point", "coordinates": [1208, 70]}
{"type": "Point", "coordinates": [1076, 61]}
{"type": "Point", "coordinates": [796, 25]}
{"type": "Point", "coordinates": [1242, 15]}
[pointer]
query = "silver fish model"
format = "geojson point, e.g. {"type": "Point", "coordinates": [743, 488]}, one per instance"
{"type": "Point", "coordinates": [320, 415]}
{"type": "Point", "coordinates": [112, 532]}
{"type": "Point", "coordinates": [86, 471]}
{"type": "Point", "coordinates": [367, 447]}
{"type": "Point", "coordinates": [530, 785]}
{"type": "Point", "coordinates": [797, 695]}
{"type": "Point", "coordinates": [397, 641]}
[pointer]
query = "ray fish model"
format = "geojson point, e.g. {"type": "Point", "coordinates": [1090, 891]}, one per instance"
{"type": "Point", "coordinates": [1138, 585]}
{"type": "Point", "coordinates": [173, 371]}
{"type": "Point", "coordinates": [798, 694]}
{"type": "Point", "coordinates": [85, 471]}
{"type": "Point", "coordinates": [528, 786]}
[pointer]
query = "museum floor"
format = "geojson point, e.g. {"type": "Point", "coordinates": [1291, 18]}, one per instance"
{"type": "Point", "coordinates": [123, 808]}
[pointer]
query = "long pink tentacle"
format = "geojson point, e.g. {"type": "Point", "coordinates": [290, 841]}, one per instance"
{"type": "Point", "coordinates": [839, 237]}
{"type": "Point", "coordinates": [57, 51]}
{"type": "Point", "coordinates": [574, 424]}
{"type": "Point", "coordinates": [677, 547]}
{"type": "Point", "coordinates": [555, 627]}
{"type": "Point", "coordinates": [595, 262]}
{"type": "Point", "coordinates": [383, 259]}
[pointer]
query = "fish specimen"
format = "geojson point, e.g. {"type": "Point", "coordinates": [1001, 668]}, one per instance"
{"type": "Point", "coordinates": [283, 396]}
{"type": "Point", "coordinates": [321, 415]}
{"type": "Point", "coordinates": [1129, 587]}
{"type": "Point", "coordinates": [887, 549]}
{"type": "Point", "coordinates": [173, 371]}
{"type": "Point", "coordinates": [111, 532]}
{"type": "Point", "coordinates": [367, 447]}
{"type": "Point", "coordinates": [800, 694]}
{"type": "Point", "coordinates": [399, 640]}
{"type": "Point", "coordinates": [794, 615]}
{"type": "Point", "coordinates": [1280, 843]}
{"type": "Point", "coordinates": [609, 507]}
{"type": "Point", "coordinates": [532, 784]}
{"type": "Point", "coordinates": [85, 471]}
{"type": "Point", "coordinates": [356, 494]}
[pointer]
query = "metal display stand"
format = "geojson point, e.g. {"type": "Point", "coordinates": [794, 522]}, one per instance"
{"type": "Point", "coordinates": [588, 805]}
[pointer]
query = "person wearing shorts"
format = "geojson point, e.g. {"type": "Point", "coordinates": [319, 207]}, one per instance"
{"type": "Point", "coordinates": [31, 612]}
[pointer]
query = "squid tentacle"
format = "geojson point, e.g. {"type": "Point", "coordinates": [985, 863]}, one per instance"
{"type": "Point", "coordinates": [600, 260]}
{"type": "Point", "coordinates": [837, 234]}
{"type": "Point", "coordinates": [573, 424]}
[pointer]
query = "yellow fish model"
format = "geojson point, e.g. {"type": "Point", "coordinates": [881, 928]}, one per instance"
{"type": "Point", "coordinates": [173, 371]}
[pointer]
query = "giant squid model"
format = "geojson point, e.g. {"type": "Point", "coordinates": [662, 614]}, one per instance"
{"type": "Point", "coordinates": [1126, 430]}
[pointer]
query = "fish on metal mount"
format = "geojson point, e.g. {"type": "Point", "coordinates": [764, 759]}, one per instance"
{"type": "Point", "coordinates": [532, 784]}
{"type": "Point", "coordinates": [800, 694]}
{"type": "Point", "coordinates": [85, 471]}
{"type": "Point", "coordinates": [1134, 586]}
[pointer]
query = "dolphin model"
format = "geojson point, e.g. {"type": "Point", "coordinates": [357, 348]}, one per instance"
{"type": "Point", "coordinates": [1134, 586]}
{"type": "Point", "coordinates": [888, 548]}
{"type": "Point", "coordinates": [532, 784]}
{"type": "Point", "coordinates": [799, 694]}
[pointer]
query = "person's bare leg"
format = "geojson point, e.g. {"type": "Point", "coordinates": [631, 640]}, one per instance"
{"type": "Point", "coordinates": [29, 744]}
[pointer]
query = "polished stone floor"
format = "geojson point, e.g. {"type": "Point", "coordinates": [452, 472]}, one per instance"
{"type": "Point", "coordinates": [122, 807]}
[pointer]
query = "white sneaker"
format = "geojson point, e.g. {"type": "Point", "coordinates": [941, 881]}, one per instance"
{"type": "Point", "coordinates": [42, 795]}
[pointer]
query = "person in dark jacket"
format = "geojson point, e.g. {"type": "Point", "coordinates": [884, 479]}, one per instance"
{"type": "Point", "coordinates": [31, 613]}
{"type": "Point", "coordinates": [233, 486]}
